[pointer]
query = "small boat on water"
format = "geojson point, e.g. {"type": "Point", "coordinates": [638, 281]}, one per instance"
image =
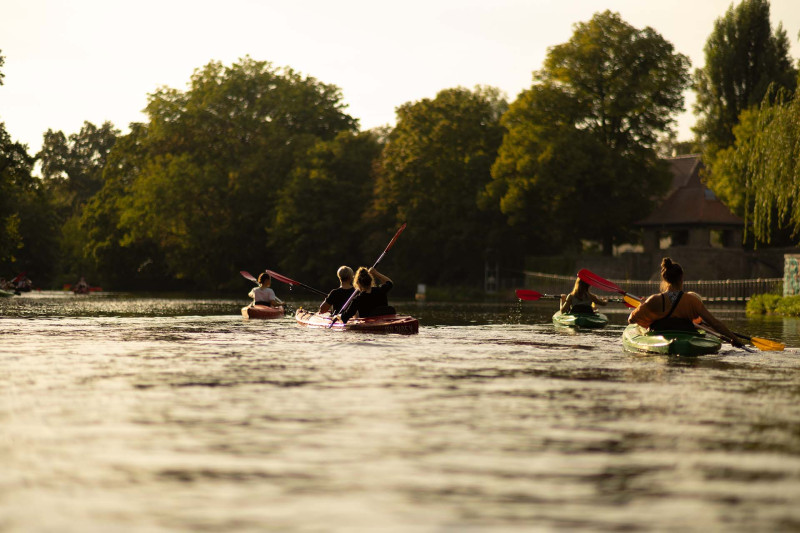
{"type": "Point", "coordinates": [687, 343]}
{"type": "Point", "coordinates": [580, 320]}
{"type": "Point", "coordinates": [4, 293]}
{"type": "Point", "coordinates": [402, 324]}
{"type": "Point", "coordinates": [262, 312]}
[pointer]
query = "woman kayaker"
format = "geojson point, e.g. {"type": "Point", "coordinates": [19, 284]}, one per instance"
{"type": "Point", "coordinates": [580, 300]}
{"type": "Point", "coordinates": [263, 294]}
{"type": "Point", "coordinates": [371, 299]}
{"type": "Point", "coordinates": [339, 296]}
{"type": "Point", "coordinates": [673, 309]}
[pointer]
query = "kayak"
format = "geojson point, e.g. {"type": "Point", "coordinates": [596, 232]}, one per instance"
{"type": "Point", "coordinates": [580, 320]}
{"type": "Point", "coordinates": [688, 343]}
{"type": "Point", "coordinates": [262, 312]}
{"type": "Point", "coordinates": [4, 292]}
{"type": "Point", "coordinates": [402, 324]}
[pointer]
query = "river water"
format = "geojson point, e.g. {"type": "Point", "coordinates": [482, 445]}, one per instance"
{"type": "Point", "coordinates": [130, 413]}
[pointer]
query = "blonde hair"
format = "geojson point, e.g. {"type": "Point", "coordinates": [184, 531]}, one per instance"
{"type": "Point", "coordinates": [345, 273]}
{"type": "Point", "coordinates": [363, 279]}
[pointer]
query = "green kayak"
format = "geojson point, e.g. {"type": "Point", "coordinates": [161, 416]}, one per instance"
{"type": "Point", "coordinates": [580, 320]}
{"type": "Point", "coordinates": [640, 340]}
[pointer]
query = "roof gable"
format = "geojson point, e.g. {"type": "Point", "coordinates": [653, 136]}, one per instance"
{"type": "Point", "coordinates": [690, 202]}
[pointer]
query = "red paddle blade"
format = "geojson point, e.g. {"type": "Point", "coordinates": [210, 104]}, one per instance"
{"type": "Point", "coordinates": [283, 279]}
{"type": "Point", "coordinates": [245, 274]}
{"type": "Point", "coordinates": [524, 294]}
{"type": "Point", "coordinates": [596, 281]}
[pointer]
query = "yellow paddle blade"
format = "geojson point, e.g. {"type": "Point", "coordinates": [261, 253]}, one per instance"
{"type": "Point", "coordinates": [767, 345]}
{"type": "Point", "coordinates": [630, 300]}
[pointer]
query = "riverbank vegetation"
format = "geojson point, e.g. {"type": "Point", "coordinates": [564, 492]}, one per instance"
{"type": "Point", "coordinates": [256, 166]}
{"type": "Point", "coordinates": [774, 304]}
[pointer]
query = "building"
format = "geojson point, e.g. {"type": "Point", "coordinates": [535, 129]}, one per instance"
{"type": "Point", "coordinates": [691, 214]}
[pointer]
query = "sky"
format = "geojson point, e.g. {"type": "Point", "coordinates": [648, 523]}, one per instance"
{"type": "Point", "coordinates": [70, 61]}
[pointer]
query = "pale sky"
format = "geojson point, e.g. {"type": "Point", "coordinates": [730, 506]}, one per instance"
{"type": "Point", "coordinates": [70, 61]}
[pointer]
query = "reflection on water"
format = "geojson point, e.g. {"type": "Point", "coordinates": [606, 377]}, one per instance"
{"type": "Point", "coordinates": [161, 414]}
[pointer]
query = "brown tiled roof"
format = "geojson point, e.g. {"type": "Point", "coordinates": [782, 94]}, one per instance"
{"type": "Point", "coordinates": [690, 203]}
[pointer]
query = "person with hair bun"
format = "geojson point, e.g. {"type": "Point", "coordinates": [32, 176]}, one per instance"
{"type": "Point", "coordinates": [672, 309]}
{"type": "Point", "coordinates": [371, 299]}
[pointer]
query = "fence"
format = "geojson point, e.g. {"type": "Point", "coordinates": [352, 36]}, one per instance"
{"type": "Point", "coordinates": [729, 290]}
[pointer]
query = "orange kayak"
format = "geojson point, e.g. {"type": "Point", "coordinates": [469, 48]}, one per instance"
{"type": "Point", "coordinates": [262, 312]}
{"type": "Point", "coordinates": [402, 324]}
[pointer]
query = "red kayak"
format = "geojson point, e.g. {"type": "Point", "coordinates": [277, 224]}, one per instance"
{"type": "Point", "coordinates": [262, 311]}
{"type": "Point", "coordinates": [402, 324]}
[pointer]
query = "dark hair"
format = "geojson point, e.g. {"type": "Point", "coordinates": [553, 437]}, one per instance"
{"type": "Point", "coordinates": [671, 272]}
{"type": "Point", "coordinates": [264, 278]}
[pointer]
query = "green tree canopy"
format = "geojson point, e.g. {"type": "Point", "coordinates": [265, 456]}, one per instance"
{"type": "Point", "coordinates": [27, 224]}
{"type": "Point", "coordinates": [743, 57]}
{"type": "Point", "coordinates": [200, 181]}
{"type": "Point", "coordinates": [582, 138]}
{"type": "Point", "coordinates": [436, 162]}
{"type": "Point", "coordinates": [73, 166]}
{"type": "Point", "coordinates": [319, 216]}
{"type": "Point", "coordinates": [760, 174]}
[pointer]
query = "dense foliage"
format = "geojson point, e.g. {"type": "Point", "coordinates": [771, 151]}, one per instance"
{"type": "Point", "coordinates": [747, 69]}
{"type": "Point", "coordinates": [773, 304]}
{"type": "Point", "coordinates": [743, 58]}
{"type": "Point", "coordinates": [584, 136]}
{"type": "Point", "coordinates": [760, 174]}
{"type": "Point", "coordinates": [254, 166]}
{"type": "Point", "coordinates": [436, 162]}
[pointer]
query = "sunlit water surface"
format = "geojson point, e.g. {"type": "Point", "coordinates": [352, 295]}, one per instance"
{"type": "Point", "coordinates": [125, 413]}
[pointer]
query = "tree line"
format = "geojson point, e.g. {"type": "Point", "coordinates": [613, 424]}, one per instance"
{"type": "Point", "coordinates": [255, 166]}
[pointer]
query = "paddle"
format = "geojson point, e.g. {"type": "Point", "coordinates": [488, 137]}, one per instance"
{"type": "Point", "coordinates": [292, 282]}
{"type": "Point", "coordinates": [532, 296]}
{"type": "Point", "coordinates": [634, 301]}
{"type": "Point", "coordinates": [388, 247]}
{"type": "Point", "coordinates": [248, 275]}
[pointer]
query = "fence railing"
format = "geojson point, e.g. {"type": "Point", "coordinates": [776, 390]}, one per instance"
{"type": "Point", "coordinates": [729, 290]}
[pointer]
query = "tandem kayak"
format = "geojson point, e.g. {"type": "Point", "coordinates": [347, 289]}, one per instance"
{"type": "Point", "coordinates": [688, 343]}
{"type": "Point", "coordinates": [580, 320]}
{"type": "Point", "coordinates": [262, 311]}
{"type": "Point", "coordinates": [402, 324]}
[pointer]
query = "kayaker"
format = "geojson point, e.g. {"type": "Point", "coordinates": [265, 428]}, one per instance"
{"type": "Point", "coordinates": [339, 296]}
{"type": "Point", "coordinates": [371, 299]}
{"type": "Point", "coordinates": [263, 294]}
{"type": "Point", "coordinates": [580, 300]}
{"type": "Point", "coordinates": [673, 309]}
{"type": "Point", "coordinates": [81, 287]}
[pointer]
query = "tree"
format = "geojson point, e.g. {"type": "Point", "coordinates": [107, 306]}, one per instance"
{"type": "Point", "coordinates": [760, 174]}
{"type": "Point", "coordinates": [436, 162]}
{"type": "Point", "coordinates": [27, 225]}
{"type": "Point", "coordinates": [320, 212]}
{"type": "Point", "coordinates": [743, 58]}
{"type": "Point", "coordinates": [73, 166]}
{"type": "Point", "coordinates": [200, 181]}
{"type": "Point", "coordinates": [585, 134]}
